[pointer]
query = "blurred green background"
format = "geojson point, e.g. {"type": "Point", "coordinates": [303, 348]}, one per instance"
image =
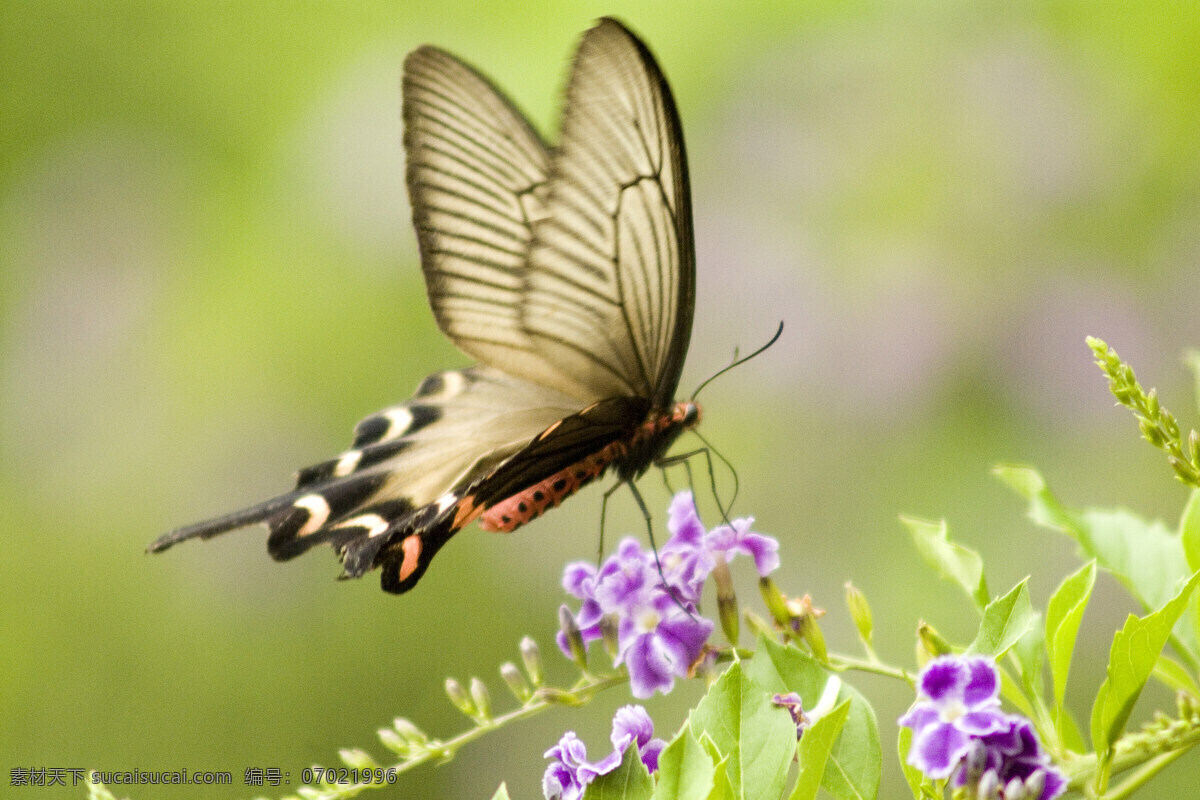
{"type": "Point", "coordinates": [208, 276]}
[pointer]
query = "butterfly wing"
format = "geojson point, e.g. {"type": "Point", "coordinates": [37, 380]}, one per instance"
{"type": "Point", "coordinates": [612, 270]}
{"type": "Point", "coordinates": [477, 177]}
{"type": "Point", "coordinates": [403, 471]}
{"type": "Point", "coordinates": [576, 269]}
{"type": "Point", "coordinates": [568, 274]}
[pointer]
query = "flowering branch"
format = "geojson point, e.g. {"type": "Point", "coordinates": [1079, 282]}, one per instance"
{"type": "Point", "coordinates": [788, 698]}
{"type": "Point", "coordinates": [1157, 424]}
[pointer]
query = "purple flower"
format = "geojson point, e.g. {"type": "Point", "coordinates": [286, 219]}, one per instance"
{"type": "Point", "coordinates": [570, 772]}
{"type": "Point", "coordinates": [579, 579]}
{"type": "Point", "coordinates": [791, 701]}
{"type": "Point", "coordinates": [1011, 754]}
{"type": "Point", "coordinates": [660, 634]}
{"type": "Point", "coordinates": [686, 559]}
{"type": "Point", "coordinates": [630, 724]}
{"type": "Point", "coordinates": [737, 537]}
{"type": "Point", "coordinates": [960, 706]}
{"type": "Point", "coordinates": [958, 728]}
{"type": "Point", "coordinates": [659, 640]}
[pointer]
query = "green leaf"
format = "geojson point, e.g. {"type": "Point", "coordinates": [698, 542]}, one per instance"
{"type": "Point", "coordinates": [755, 735]}
{"type": "Point", "coordinates": [1064, 612]}
{"type": "Point", "coordinates": [1030, 651]}
{"type": "Point", "coordinates": [813, 751]}
{"type": "Point", "coordinates": [685, 769]}
{"type": "Point", "coordinates": [709, 745]}
{"type": "Point", "coordinates": [1174, 676]}
{"type": "Point", "coordinates": [856, 760]}
{"type": "Point", "coordinates": [501, 793]}
{"type": "Point", "coordinates": [1189, 530]}
{"type": "Point", "coordinates": [1005, 620]}
{"type": "Point", "coordinates": [1010, 690]}
{"type": "Point", "coordinates": [722, 788]}
{"type": "Point", "coordinates": [1135, 650]}
{"type": "Point", "coordinates": [955, 563]}
{"type": "Point", "coordinates": [1146, 557]}
{"type": "Point", "coordinates": [630, 781]}
{"type": "Point", "coordinates": [1069, 732]}
{"type": "Point", "coordinates": [1189, 535]}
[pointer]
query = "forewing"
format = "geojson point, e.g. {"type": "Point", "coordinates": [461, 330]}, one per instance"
{"type": "Point", "coordinates": [477, 177]}
{"type": "Point", "coordinates": [611, 282]}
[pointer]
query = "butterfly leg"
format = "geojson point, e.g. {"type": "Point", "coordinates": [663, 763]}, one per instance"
{"type": "Point", "coordinates": [654, 545]}
{"type": "Point", "coordinates": [687, 466]}
{"type": "Point", "coordinates": [707, 451]}
{"type": "Point", "coordinates": [603, 514]}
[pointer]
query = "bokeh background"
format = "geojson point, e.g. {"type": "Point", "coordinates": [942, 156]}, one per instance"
{"type": "Point", "coordinates": [207, 276]}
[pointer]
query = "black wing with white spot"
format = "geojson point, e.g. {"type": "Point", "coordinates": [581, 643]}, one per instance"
{"type": "Point", "coordinates": [407, 469]}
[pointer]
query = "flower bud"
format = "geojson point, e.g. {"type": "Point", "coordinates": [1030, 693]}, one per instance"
{"type": "Point", "coordinates": [1035, 784]}
{"type": "Point", "coordinates": [774, 601]}
{"type": "Point", "coordinates": [459, 697]}
{"type": "Point", "coordinates": [408, 731]}
{"type": "Point", "coordinates": [727, 606]}
{"type": "Point", "coordinates": [803, 618]}
{"type": "Point", "coordinates": [1187, 706]}
{"type": "Point", "coordinates": [515, 681]}
{"type": "Point", "coordinates": [610, 635]}
{"type": "Point", "coordinates": [482, 698]}
{"type": "Point", "coordinates": [532, 658]}
{"type": "Point", "coordinates": [860, 612]}
{"type": "Point", "coordinates": [394, 742]}
{"type": "Point", "coordinates": [989, 786]}
{"type": "Point", "coordinates": [930, 644]}
{"type": "Point", "coordinates": [566, 622]}
{"type": "Point", "coordinates": [357, 759]}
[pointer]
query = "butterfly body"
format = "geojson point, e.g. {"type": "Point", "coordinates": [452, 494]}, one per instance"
{"type": "Point", "coordinates": [567, 272]}
{"type": "Point", "coordinates": [631, 457]}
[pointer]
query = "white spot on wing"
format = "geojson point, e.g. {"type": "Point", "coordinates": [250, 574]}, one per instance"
{"type": "Point", "coordinates": [398, 421]}
{"type": "Point", "coordinates": [347, 463]}
{"type": "Point", "coordinates": [318, 513]}
{"type": "Point", "coordinates": [374, 524]}
{"type": "Point", "coordinates": [454, 383]}
{"type": "Point", "coordinates": [446, 501]}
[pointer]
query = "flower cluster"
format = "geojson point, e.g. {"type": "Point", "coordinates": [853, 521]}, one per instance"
{"type": "Point", "coordinates": [570, 772]}
{"type": "Point", "coordinates": [659, 632]}
{"type": "Point", "coordinates": [959, 729]}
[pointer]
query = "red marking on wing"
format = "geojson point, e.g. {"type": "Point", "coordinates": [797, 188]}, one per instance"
{"type": "Point", "coordinates": [466, 512]}
{"type": "Point", "coordinates": [412, 555]}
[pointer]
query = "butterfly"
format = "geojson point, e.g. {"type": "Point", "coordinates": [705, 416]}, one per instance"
{"type": "Point", "coordinates": [566, 272]}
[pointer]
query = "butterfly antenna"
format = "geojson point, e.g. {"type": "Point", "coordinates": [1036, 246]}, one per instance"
{"type": "Point", "coordinates": [738, 361]}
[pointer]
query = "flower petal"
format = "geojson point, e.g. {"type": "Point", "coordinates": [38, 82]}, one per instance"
{"type": "Point", "coordinates": [649, 668]}
{"type": "Point", "coordinates": [631, 723]}
{"type": "Point", "coordinates": [983, 682]}
{"type": "Point", "coordinates": [943, 678]}
{"type": "Point", "coordinates": [937, 749]}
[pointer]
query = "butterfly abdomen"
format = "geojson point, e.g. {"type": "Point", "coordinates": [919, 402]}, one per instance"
{"type": "Point", "coordinates": [529, 504]}
{"type": "Point", "coordinates": [632, 456]}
